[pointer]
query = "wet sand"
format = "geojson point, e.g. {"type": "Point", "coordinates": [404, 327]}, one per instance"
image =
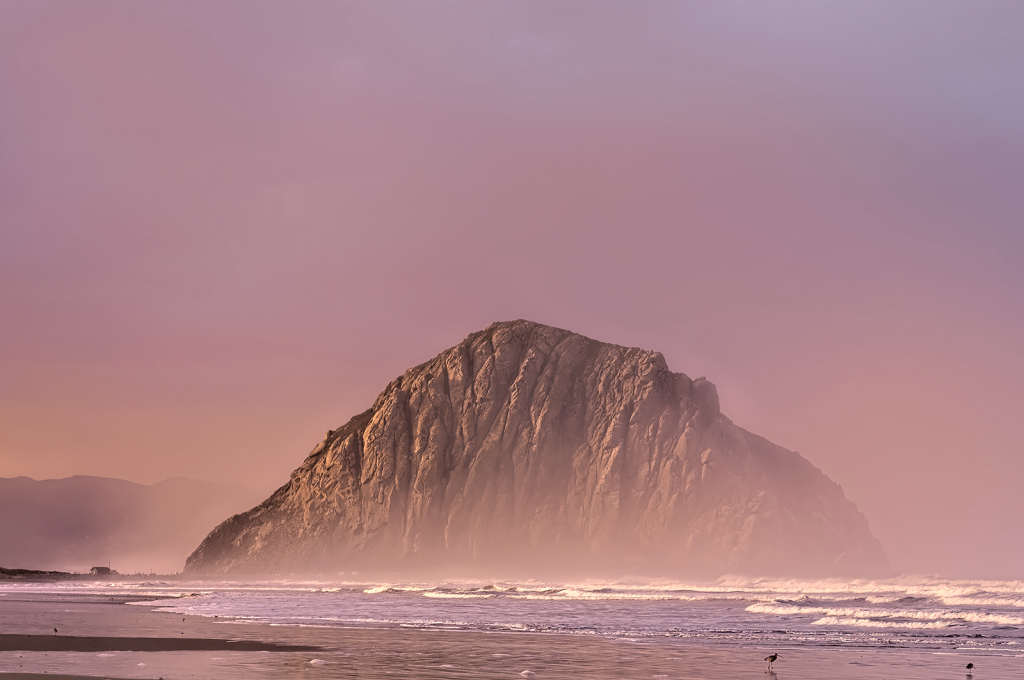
{"type": "Point", "coordinates": [102, 637]}
{"type": "Point", "coordinates": [65, 643]}
{"type": "Point", "coordinates": [45, 676]}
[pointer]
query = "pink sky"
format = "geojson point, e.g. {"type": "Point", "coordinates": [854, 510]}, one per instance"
{"type": "Point", "coordinates": [224, 227]}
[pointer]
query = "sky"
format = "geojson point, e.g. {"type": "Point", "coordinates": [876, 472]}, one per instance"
{"type": "Point", "coordinates": [226, 226]}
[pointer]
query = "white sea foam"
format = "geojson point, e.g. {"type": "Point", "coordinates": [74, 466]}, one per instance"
{"type": "Point", "coordinates": [870, 623]}
{"type": "Point", "coordinates": [981, 601]}
{"type": "Point", "coordinates": [947, 617]}
{"type": "Point", "coordinates": [576, 594]}
{"type": "Point", "coordinates": [391, 589]}
{"type": "Point", "coordinates": [971, 614]}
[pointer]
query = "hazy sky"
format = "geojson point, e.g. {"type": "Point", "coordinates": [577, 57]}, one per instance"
{"type": "Point", "coordinates": [225, 226]}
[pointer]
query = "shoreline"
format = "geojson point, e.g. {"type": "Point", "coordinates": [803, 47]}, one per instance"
{"type": "Point", "coordinates": [14, 642]}
{"type": "Point", "coordinates": [41, 576]}
{"type": "Point", "coordinates": [103, 636]}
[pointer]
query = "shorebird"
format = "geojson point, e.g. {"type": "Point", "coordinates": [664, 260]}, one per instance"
{"type": "Point", "coordinates": [54, 631]}
{"type": "Point", "coordinates": [771, 659]}
{"type": "Point", "coordinates": [970, 668]}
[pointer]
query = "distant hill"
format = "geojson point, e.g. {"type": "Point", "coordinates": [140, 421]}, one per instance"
{"type": "Point", "coordinates": [528, 451]}
{"type": "Point", "coordinates": [80, 522]}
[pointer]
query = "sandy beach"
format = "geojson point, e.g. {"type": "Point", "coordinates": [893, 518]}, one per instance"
{"type": "Point", "coordinates": [103, 636]}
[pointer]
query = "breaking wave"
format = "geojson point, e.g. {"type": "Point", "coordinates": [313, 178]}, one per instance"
{"type": "Point", "coordinates": [871, 623]}
{"type": "Point", "coordinates": [894, 617]}
{"type": "Point", "coordinates": [907, 611]}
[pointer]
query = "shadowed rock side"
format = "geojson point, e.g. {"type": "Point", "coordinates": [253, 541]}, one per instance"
{"type": "Point", "coordinates": [528, 450]}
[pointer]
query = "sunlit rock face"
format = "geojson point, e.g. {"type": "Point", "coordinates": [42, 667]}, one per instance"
{"type": "Point", "coordinates": [532, 451]}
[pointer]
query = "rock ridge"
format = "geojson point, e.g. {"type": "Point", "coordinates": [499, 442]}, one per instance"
{"type": "Point", "coordinates": [528, 450]}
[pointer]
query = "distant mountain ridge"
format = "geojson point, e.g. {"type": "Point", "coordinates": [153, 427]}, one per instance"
{"type": "Point", "coordinates": [79, 522]}
{"type": "Point", "coordinates": [530, 450]}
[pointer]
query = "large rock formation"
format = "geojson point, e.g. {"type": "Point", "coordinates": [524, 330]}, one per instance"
{"type": "Point", "coordinates": [532, 451]}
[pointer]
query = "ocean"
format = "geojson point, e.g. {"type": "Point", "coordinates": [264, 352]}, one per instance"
{"type": "Point", "coordinates": [911, 613]}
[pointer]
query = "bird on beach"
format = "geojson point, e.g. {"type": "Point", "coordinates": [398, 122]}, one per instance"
{"type": "Point", "coordinates": [970, 668]}
{"type": "Point", "coordinates": [771, 659]}
{"type": "Point", "coordinates": [54, 631]}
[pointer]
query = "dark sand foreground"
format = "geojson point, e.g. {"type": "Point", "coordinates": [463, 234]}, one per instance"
{"type": "Point", "coordinates": [102, 637]}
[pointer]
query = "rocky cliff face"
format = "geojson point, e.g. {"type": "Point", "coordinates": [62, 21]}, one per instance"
{"type": "Point", "coordinates": [532, 451]}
